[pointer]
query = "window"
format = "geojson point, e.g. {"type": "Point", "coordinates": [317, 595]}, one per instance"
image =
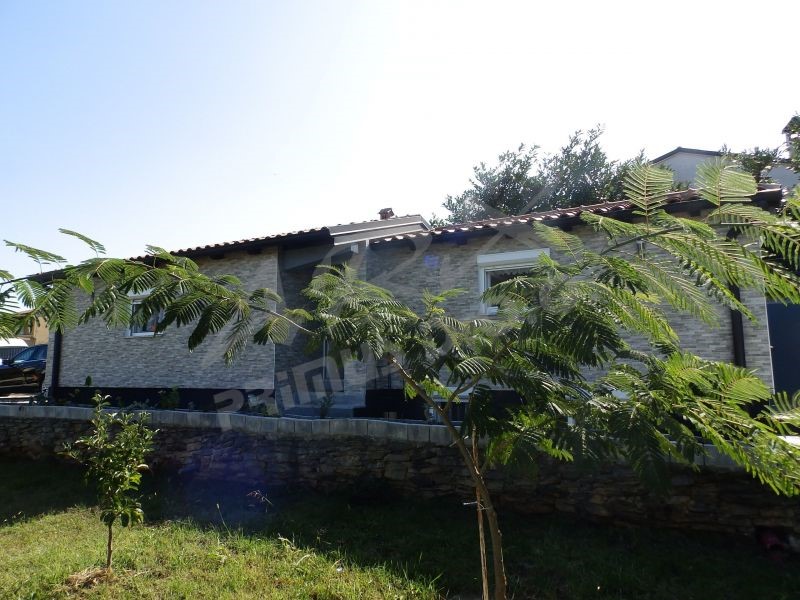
{"type": "Point", "coordinates": [146, 329]}
{"type": "Point", "coordinates": [502, 266]}
{"type": "Point", "coordinates": [26, 355]}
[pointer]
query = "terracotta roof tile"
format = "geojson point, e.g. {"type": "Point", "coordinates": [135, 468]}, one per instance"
{"type": "Point", "coordinates": [549, 215]}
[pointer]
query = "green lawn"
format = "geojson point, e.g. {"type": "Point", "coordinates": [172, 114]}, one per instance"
{"type": "Point", "coordinates": [210, 541]}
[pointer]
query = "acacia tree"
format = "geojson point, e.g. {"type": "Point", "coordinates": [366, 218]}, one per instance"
{"type": "Point", "coordinates": [564, 317]}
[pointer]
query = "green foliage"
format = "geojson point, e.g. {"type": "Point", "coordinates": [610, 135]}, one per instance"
{"type": "Point", "coordinates": [324, 405]}
{"type": "Point", "coordinates": [522, 181]}
{"type": "Point", "coordinates": [559, 322]}
{"type": "Point", "coordinates": [647, 188]}
{"type": "Point", "coordinates": [755, 161]}
{"type": "Point", "coordinates": [176, 292]}
{"type": "Point", "coordinates": [114, 454]}
{"type": "Point", "coordinates": [510, 187]}
{"type": "Point", "coordinates": [719, 181]}
{"type": "Point", "coordinates": [792, 131]}
{"type": "Point", "coordinates": [169, 399]}
{"type": "Point", "coordinates": [580, 173]}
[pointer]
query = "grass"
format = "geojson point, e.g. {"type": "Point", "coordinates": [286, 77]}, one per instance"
{"type": "Point", "coordinates": [211, 541]}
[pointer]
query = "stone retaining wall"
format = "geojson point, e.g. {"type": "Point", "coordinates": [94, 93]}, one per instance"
{"type": "Point", "coordinates": [410, 458]}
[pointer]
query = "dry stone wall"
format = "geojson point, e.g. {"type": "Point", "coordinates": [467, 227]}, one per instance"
{"type": "Point", "coordinates": [411, 459]}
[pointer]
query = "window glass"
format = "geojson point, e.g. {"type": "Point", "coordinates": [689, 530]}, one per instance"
{"type": "Point", "coordinates": [25, 355]}
{"type": "Point", "coordinates": [498, 267]}
{"type": "Point", "coordinates": [496, 276]}
{"type": "Point", "coordinates": [148, 328]}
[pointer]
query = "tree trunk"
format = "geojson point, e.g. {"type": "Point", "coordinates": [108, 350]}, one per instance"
{"type": "Point", "coordinates": [475, 472]}
{"type": "Point", "coordinates": [498, 564]}
{"type": "Point", "coordinates": [479, 513]}
{"type": "Point", "coordinates": [109, 547]}
{"type": "Point", "coordinates": [497, 552]}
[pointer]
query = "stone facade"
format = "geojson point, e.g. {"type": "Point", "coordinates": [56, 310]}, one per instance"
{"type": "Point", "coordinates": [300, 379]}
{"type": "Point", "coordinates": [115, 359]}
{"type": "Point", "coordinates": [422, 263]}
{"type": "Point", "coordinates": [413, 459]}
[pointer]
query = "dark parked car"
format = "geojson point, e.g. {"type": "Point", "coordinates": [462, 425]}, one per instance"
{"type": "Point", "coordinates": [24, 372]}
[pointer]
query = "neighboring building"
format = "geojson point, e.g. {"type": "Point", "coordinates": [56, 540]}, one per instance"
{"type": "Point", "coordinates": [35, 333]}
{"type": "Point", "coordinates": [684, 162]}
{"type": "Point", "coordinates": [30, 336]}
{"type": "Point", "coordinates": [402, 254]}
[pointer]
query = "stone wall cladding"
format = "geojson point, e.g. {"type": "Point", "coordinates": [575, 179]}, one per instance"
{"type": "Point", "coordinates": [298, 369]}
{"type": "Point", "coordinates": [295, 366]}
{"type": "Point", "coordinates": [113, 359]}
{"type": "Point", "coordinates": [422, 263]}
{"type": "Point", "coordinates": [412, 459]}
{"type": "Point", "coordinates": [408, 268]}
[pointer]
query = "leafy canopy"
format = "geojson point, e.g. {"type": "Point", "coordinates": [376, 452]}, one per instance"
{"type": "Point", "coordinates": [522, 181]}
{"type": "Point", "coordinates": [565, 337]}
{"type": "Point", "coordinates": [114, 453]}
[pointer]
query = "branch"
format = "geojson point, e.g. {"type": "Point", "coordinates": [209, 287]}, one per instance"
{"type": "Point", "coordinates": [638, 238]}
{"type": "Point", "coordinates": [457, 439]}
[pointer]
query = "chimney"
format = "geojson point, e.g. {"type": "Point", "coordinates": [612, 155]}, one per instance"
{"type": "Point", "coordinates": [386, 213]}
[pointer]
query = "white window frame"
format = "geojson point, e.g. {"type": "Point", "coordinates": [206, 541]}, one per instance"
{"type": "Point", "coordinates": [502, 261]}
{"type": "Point", "coordinates": [135, 300]}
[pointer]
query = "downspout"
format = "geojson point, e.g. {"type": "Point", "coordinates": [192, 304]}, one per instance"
{"type": "Point", "coordinates": [737, 323]}
{"type": "Point", "coordinates": [55, 362]}
{"type": "Point", "coordinates": [737, 329]}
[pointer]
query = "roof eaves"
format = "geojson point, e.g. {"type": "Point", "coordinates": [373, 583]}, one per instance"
{"type": "Point", "coordinates": [688, 151]}
{"type": "Point", "coordinates": [675, 200]}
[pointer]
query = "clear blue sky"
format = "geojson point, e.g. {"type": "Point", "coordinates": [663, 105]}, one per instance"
{"type": "Point", "coordinates": [179, 123]}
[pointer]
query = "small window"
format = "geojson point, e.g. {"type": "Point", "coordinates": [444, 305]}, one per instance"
{"type": "Point", "coordinates": [502, 266]}
{"type": "Point", "coordinates": [146, 329]}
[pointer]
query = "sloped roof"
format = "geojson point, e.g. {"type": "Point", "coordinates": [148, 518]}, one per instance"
{"type": "Point", "coordinates": [680, 149]}
{"type": "Point", "coordinates": [241, 244]}
{"type": "Point", "coordinates": [337, 234]}
{"type": "Point", "coordinates": [675, 201]}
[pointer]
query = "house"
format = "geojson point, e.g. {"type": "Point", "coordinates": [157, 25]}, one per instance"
{"type": "Point", "coordinates": [403, 254]}
{"type": "Point", "coordinates": [684, 162]}
{"type": "Point", "coordinates": [35, 333]}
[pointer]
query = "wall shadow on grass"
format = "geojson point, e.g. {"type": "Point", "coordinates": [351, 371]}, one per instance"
{"type": "Point", "coordinates": [32, 488]}
{"type": "Point", "coordinates": [548, 557]}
